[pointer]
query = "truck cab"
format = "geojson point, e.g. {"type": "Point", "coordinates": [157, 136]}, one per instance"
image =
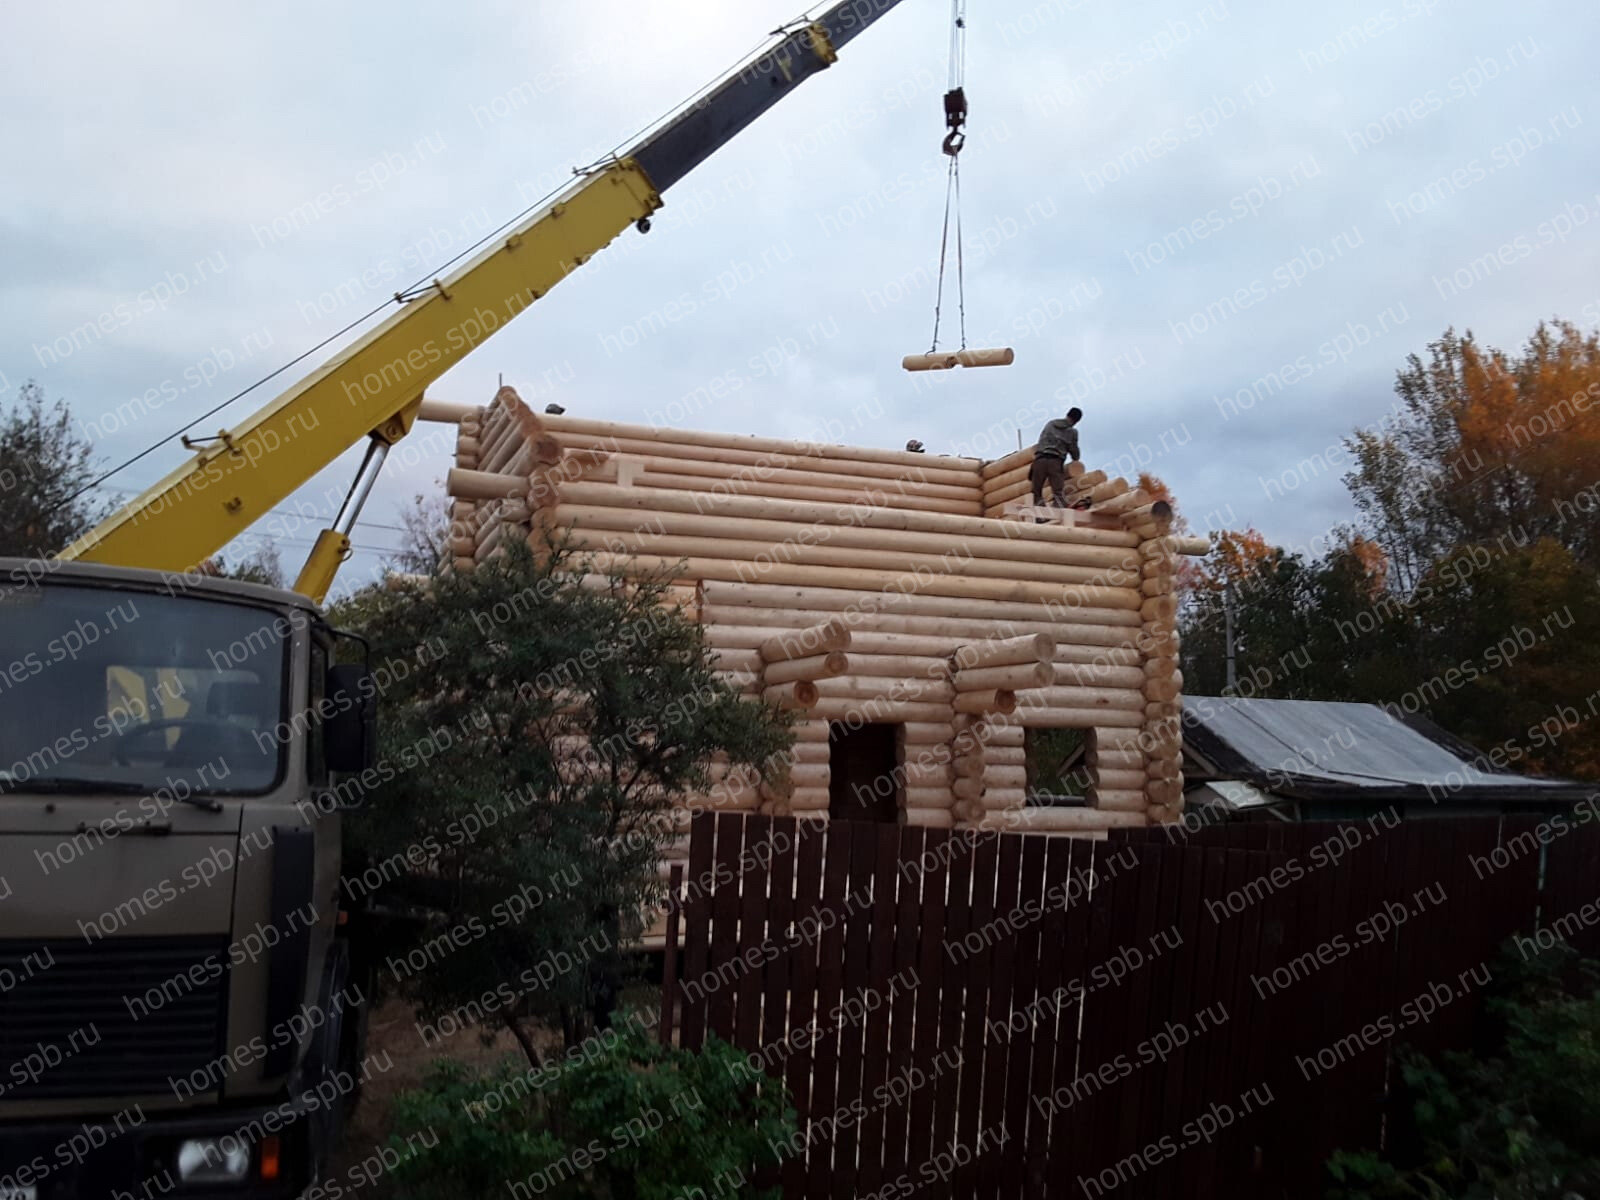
{"type": "Point", "coordinates": [179, 1012]}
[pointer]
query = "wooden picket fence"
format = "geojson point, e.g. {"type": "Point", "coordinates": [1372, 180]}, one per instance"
{"type": "Point", "coordinates": [1165, 1014]}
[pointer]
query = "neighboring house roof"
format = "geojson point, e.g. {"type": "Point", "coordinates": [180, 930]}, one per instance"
{"type": "Point", "coordinates": [1325, 750]}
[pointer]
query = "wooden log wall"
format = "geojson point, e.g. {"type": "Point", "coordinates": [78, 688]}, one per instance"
{"type": "Point", "coordinates": [856, 585]}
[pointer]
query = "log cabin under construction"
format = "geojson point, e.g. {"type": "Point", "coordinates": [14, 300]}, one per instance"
{"type": "Point", "coordinates": [913, 608]}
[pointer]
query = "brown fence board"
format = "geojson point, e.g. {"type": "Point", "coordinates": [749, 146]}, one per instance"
{"type": "Point", "coordinates": [924, 991]}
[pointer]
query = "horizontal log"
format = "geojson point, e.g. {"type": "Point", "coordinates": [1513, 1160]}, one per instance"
{"type": "Point", "coordinates": [926, 774]}
{"type": "Point", "coordinates": [848, 526]}
{"type": "Point", "coordinates": [750, 442]}
{"type": "Point", "coordinates": [1119, 635]}
{"type": "Point", "coordinates": [690, 459]}
{"type": "Point", "coordinates": [1017, 677]}
{"type": "Point", "coordinates": [1017, 474]}
{"type": "Point", "coordinates": [1080, 603]}
{"type": "Point", "coordinates": [1002, 652]}
{"type": "Point", "coordinates": [1120, 779]}
{"type": "Point", "coordinates": [831, 511]}
{"type": "Point", "coordinates": [810, 552]}
{"type": "Point", "coordinates": [800, 694]}
{"type": "Point", "coordinates": [1000, 701]}
{"type": "Point", "coordinates": [809, 801]}
{"type": "Point", "coordinates": [819, 666]}
{"type": "Point", "coordinates": [867, 494]}
{"type": "Point", "coordinates": [1059, 820]}
{"type": "Point", "coordinates": [1082, 675]}
{"type": "Point", "coordinates": [1123, 502]}
{"type": "Point", "coordinates": [1006, 462]}
{"type": "Point", "coordinates": [445, 411]}
{"type": "Point", "coordinates": [901, 666]}
{"type": "Point", "coordinates": [997, 776]}
{"type": "Point", "coordinates": [879, 711]}
{"type": "Point", "coordinates": [860, 597]}
{"type": "Point", "coordinates": [939, 796]}
{"type": "Point", "coordinates": [927, 818]}
{"type": "Point", "coordinates": [483, 485]}
{"type": "Point", "coordinates": [868, 686]}
{"type": "Point", "coordinates": [822, 637]}
{"type": "Point", "coordinates": [927, 733]}
{"type": "Point", "coordinates": [1118, 799]}
{"type": "Point", "coordinates": [1088, 698]}
{"type": "Point", "coordinates": [1052, 717]}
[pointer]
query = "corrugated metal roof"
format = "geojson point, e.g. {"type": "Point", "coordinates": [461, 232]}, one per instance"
{"type": "Point", "coordinates": [1293, 744]}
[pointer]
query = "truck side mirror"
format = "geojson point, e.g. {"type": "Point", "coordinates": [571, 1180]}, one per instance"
{"type": "Point", "coordinates": [350, 732]}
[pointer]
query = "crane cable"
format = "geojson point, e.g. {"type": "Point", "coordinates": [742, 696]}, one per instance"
{"type": "Point", "coordinates": [955, 116]}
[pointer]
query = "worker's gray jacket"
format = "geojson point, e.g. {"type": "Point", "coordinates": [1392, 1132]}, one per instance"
{"type": "Point", "coordinates": [1060, 439]}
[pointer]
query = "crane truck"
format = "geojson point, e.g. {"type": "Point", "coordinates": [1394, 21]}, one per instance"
{"type": "Point", "coordinates": [181, 998]}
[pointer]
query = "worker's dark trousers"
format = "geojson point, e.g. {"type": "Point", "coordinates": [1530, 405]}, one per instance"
{"type": "Point", "coordinates": [1048, 469]}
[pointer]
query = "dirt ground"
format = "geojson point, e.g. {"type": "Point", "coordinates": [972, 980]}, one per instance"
{"type": "Point", "coordinates": [392, 1038]}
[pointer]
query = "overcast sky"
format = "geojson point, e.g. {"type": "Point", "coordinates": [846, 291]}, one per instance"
{"type": "Point", "coordinates": [1217, 227]}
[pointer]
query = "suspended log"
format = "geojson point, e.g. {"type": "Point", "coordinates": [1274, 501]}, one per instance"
{"type": "Point", "coordinates": [820, 666]}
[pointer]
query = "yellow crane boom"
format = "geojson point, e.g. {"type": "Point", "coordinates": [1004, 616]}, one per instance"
{"type": "Point", "coordinates": [374, 388]}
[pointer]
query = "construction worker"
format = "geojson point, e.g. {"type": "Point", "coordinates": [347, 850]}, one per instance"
{"type": "Point", "coordinates": [1058, 444]}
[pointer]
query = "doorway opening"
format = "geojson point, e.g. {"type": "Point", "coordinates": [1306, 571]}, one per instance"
{"type": "Point", "coordinates": [863, 772]}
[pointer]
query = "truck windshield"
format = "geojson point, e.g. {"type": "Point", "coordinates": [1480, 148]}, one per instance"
{"type": "Point", "coordinates": [123, 691]}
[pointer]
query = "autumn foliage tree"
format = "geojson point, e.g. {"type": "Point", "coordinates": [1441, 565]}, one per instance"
{"type": "Point", "coordinates": [1468, 593]}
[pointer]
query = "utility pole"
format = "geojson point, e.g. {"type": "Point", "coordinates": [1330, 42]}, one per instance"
{"type": "Point", "coordinates": [1227, 633]}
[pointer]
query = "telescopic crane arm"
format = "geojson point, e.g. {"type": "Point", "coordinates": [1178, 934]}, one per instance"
{"type": "Point", "coordinates": [374, 388]}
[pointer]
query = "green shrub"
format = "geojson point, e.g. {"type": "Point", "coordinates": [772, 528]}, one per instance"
{"type": "Point", "coordinates": [1521, 1122]}
{"type": "Point", "coordinates": [621, 1118]}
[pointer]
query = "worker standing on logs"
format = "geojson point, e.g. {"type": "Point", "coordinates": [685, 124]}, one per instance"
{"type": "Point", "coordinates": [1058, 444]}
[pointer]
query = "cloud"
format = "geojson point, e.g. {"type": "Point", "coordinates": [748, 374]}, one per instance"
{"type": "Point", "coordinates": [1154, 205]}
